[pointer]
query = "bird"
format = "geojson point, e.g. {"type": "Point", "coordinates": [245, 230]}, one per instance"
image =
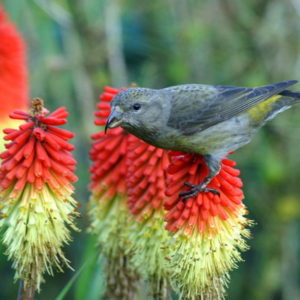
{"type": "Point", "coordinates": [210, 120]}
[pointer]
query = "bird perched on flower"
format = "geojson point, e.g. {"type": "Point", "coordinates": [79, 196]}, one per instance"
{"type": "Point", "coordinates": [204, 119]}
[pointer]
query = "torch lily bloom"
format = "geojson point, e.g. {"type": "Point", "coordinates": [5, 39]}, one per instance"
{"type": "Point", "coordinates": [208, 230]}
{"type": "Point", "coordinates": [108, 172]}
{"type": "Point", "coordinates": [13, 75]}
{"type": "Point", "coordinates": [35, 193]}
{"type": "Point", "coordinates": [107, 207]}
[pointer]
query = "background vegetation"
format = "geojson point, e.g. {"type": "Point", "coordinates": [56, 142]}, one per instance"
{"type": "Point", "coordinates": [76, 47]}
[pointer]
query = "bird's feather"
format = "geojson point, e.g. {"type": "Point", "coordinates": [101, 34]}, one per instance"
{"type": "Point", "coordinates": [197, 107]}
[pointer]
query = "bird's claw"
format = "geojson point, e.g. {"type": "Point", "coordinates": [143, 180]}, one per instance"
{"type": "Point", "coordinates": [195, 190]}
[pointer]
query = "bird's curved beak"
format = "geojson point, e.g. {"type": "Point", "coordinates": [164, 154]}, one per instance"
{"type": "Point", "coordinates": [113, 120]}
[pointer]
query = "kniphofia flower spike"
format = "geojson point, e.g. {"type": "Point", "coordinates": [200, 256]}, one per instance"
{"type": "Point", "coordinates": [36, 177]}
{"type": "Point", "coordinates": [208, 230]}
{"type": "Point", "coordinates": [13, 75]}
{"type": "Point", "coordinates": [107, 207]}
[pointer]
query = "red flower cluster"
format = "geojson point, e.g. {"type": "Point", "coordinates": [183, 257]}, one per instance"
{"type": "Point", "coordinates": [13, 73]}
{"type": "Point", "coordinates": [151, 176]}
{"type": "Point", "coordinates": [38, 152]}
{"type": "Point", "coordinates": [108, 152]}
{"type": "Point", "coordinates": [200, 210]}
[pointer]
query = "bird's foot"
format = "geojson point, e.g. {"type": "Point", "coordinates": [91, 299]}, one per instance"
{"type": "Point", "coordinates": [195, 190]}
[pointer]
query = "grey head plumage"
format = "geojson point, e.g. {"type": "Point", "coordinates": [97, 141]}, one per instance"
{"type": "Point", "coordinates": [139, 111]}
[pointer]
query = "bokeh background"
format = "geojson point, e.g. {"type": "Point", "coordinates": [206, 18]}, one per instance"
{"type": "Point", "coordinates": [76, 47]}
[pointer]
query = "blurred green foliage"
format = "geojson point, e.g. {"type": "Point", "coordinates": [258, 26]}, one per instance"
{"type": "Point", "coordinates": [75, 47]}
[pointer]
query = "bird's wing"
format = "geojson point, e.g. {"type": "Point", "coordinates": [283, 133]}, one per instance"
{"type": "Point", "coordinates": [197, 107]}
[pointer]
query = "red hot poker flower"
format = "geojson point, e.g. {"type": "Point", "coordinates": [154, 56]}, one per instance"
{"type": "Point", "coordinates": [107, 207]}
{"type": "Point", "coordinates": [208, 230]}
{"type": "Point", "coordinates": [199, 212]}
{"type": "Point", "coordinates": [38, 152]}
{"type": "Point", "coordinates": [13, 73]}
{"type": "Point", "coordinates": [109, 164]}
{"type": "Point", "coordinates": [35, 191]}
{"type": "Point", "coordinates": [108, 152]}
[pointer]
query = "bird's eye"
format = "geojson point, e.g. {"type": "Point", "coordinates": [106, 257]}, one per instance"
{"type": "Point", "coordinates": [136, 106]}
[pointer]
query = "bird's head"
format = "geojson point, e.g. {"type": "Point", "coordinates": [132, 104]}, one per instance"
{"type": "Point", "coordinates": [137, 110]}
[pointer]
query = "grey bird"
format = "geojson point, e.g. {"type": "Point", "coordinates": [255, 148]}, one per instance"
{"type": "Point", "coordinates": [205, 119]}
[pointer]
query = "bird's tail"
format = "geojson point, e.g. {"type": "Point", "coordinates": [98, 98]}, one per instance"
{"type": "Point", "coordinates": [290, 97]}
{"type": "Point", "coordinates": [280, 104]}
